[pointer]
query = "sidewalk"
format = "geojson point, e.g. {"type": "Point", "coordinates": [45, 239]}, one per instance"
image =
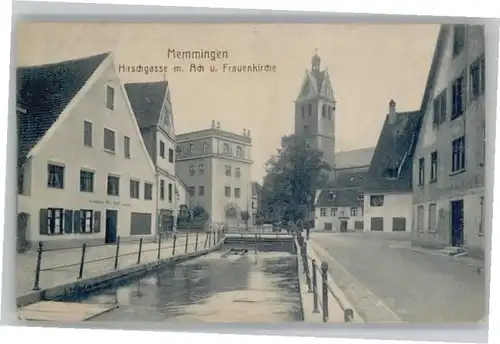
{"type": "Point", "coordinates": [53, 273]}
{"type": "Point", "coordinates": [470, 261]}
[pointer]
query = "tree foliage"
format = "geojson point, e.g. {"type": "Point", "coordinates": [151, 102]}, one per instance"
{"type": "Point", "coordinates": [292, 176]}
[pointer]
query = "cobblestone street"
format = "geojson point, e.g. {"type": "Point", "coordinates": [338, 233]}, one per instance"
{"type": "Point", "coordinates": [386, 280]}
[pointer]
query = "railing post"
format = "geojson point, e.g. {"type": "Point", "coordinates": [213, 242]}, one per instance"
{"type": "Point", "coordinates": [315, 287]}
{"type": "Point", "coordinates": [36, 286]}
{"type": "Point", "coordinates": [140, 251]}
{"type": "Point", "coordinates": [173, 247]}
{"type": "Point", "coordinates": [159, 247]}
{"type": "Point", "coordinates": [196, 243]}
{"type": "Point", "coordinates": [306, 267]}
{"type": "Point", "coordinates": [324, 275]}
{"type": "Point", "coordinates": [255, 246]}
{"type": "Point", "coordinates": [307, 233]}
{"type": "Point", "coordinates": [206, 241]}
{"type": "Point", "coordinates": [187, 240]}
{"type": "Point", "coordinates": [117, 254]}
{"type": "Point", "coordinates": [214, 239]}
{"type": "Point", "coordinates": [82, 261]}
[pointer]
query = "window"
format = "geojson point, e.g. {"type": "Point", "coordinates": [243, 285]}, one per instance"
{"type": "Point", "coordinates": [228, 170]}
{"type": "Point", "coordinates": [191, 191]}
{"type": "Point", "coordinates": [55, 218]}
{"type": "Point", "coordinates": [201, 191]}
{"type": "Point", "coordinates": [55, 176]}
{"type": "Point", "coordinates": [333, 212]}
{"type": "Point", "coordinates": [148, 191]}
{"type": "Point", "coordinates": [477, 76]}
{"type": "Point", "coordinates": [191, 148]}
{"type": "Point", "coordinates": [20, 180]}
{"type": "Point", "coordinates": [134, 189]}
{"type": "Point", "coordinates": [113, 186]}
{"type": "Point", "coordinates": [458, 39]}
{"type": "Point", "coordinates": [303, 109]}
{"type": "Point", "coordinates": [483, 74]}
{"type": "Point", "coordinates": [420, 218]}
{"type": "Point", "coordinates": [162, 149]}
{"type": "Point", "coordinates": [205, 147]}
{"type": "Point", "coordinates": [86, 181]}
{"type": "Point", "coordinates": [457, 93]}
{"type": "Point", "coordinates": [377, 200]}
{"type": "Point", "coordinates": [192, 170]}
{"type": "Point", "coordinates": [421, 171]}
{"type": "Point", "coordinates": [239, 152]}
{"type": "Point", "coordinates": [458, 155]}
{"type": "Point", "coordinates": [109, 140]}
{"type": "Point", "coordinates": [110, 97]}
{"type": "Point", "coordinates": [86, 220]}
{"type": "Point", "coordinates": [87, 134]}
{"type": "Point", "coordinates": [238, 172]}
{"type": "Point", "coordinates": [226, 148]}
{"type": "Point", "coordinates": [392, 172]}
{"type": "Point", "coordinates": [432, 220]}
{"type": "Point", "coordinates": [178, 152]}
{"type": "Point", "coordinates": [306, 129]}
{"type": "Point", "coordinates": [170, 192]}
{"type": "Point", "coordinates": [439, 109]}
{"type": "Point", "coordinates": [322, 212]}
{"type": "Point", "coordinates": [162, 189]}
{"type": "Point", "coordinates": [331, 196]}
{"type": "Point", "coordinates": [170, 155]}
{"type": "Point", "coordinates": [330, 111]}
{"type": "Point", "coordinates": [399, 224]}
{"type": "Point", "coordinates": [227, 191]}
{"type": "Point", "coordinates": [323, 110]}
{"type": "Point", "coordinates": [126, 145]}
{"type": "Point", "coordinates": [434, 161]}
{"type": "Point", "coordinates": [237, 192]}
{"type": "Point", "coordinates": [481, 218]}
{"type": "Point", "coordinates": [201, 169]}
{"type": "Point", "coordinates": [310, 109]}
{"type": "Point", "coordinates": [354, 211]}
{"type": "Point", "coordinates": [342, 214]}
{"type": "Point", "coordinates": [483, 149]}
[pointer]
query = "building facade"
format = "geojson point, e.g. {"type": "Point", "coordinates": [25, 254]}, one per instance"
{"type": "Point", "coordinates": [153, 110]}
{"type": "Point", "coordinates": [388, 187]}
{"type": "Point", "coordinates": [315, 111]}
{"type": "Point", "coordinates": [449, 164]}
{"type": "Point", "coordinates": [338, 210]}
{"type": "Point", "coordinates": [216, 166]}
{"type": "Point", "coordinates": [84, 171]}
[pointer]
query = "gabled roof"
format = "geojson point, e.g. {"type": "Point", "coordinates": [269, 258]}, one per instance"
{"type": "Point", "coordinates": [354, 158]}
{"type": "Point", "coordinates": [44, 91]}
{"type": "Point", "coordinates": [147, 101]}
{"type": "Point", "coordinates": [394, 151]}
{"type": "Point", "coordinates": [339, 198]}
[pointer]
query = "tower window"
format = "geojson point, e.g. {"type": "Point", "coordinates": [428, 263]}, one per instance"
{"type": "Point", "coordinates": [310, 109]}
{"type": "Point", "coordinates": [330, 110]}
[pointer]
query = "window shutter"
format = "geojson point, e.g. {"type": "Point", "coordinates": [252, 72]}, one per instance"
{"type": "Point", "coordinates": [44, 221]}
{"type": "Point", "coordinates": [68, 221]}
{"type": "Point", "coordinates": [77, 223]}
{"type": "Point", "coordinates": [97, 221]}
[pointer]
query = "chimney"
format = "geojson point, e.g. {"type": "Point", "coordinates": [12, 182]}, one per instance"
{"type": "Point", "coordinates": [213, 124]}
{"type": "Point", "coordinates": [244, 132]}
{"type": "Point", "coordinates": [218, 125]}
{"type": "Point", "coordinates": [248, 133]}
{"type": "Point", "coordinates": [392, 112]}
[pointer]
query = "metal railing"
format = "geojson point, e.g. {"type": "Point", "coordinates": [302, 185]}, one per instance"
{"type": "Point", "coordinates": [211, 239]}
{"type": "Point", "coordinates": [312, 283]}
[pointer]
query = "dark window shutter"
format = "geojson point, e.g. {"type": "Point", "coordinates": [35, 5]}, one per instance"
{"type": "Point", "coordinates": [44, 221]}
{"type": "Point", "coordinates": [68, 221]}
{"type": "Point", "coordinates": [77, 223]}
{"type": "Point", "coordinates": [97, 221]}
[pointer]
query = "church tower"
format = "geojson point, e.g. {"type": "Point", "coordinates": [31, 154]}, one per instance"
{"type": "Point", "coordinates": [315, 111]}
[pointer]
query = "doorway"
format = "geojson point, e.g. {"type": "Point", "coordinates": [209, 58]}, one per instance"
{"type": "Point", "coordinates": [343, 226]}
{"type": "Point", "coordinates": [457, 223]}
{"type": "Point", "coordinates": [111, 219]}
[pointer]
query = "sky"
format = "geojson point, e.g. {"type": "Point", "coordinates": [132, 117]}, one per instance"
{"type": "Point", "coordinates": [369, 64]}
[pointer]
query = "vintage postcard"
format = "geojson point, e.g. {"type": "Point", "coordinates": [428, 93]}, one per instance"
{"type": "Point", "coordinates": [258, 173]}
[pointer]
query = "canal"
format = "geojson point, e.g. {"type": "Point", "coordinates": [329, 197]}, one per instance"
{"type": "Point", "coordinates": [250, 287]}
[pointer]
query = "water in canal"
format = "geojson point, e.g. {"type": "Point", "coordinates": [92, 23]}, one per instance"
{"type": "Point", "coordinates": [250, 288]}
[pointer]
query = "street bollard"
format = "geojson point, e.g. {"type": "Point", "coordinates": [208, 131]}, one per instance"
{"type": "Point", "coordinates": [196, 243]}
{"type": "Point", "coordinates": [159, 247]}
{"type": "Point", "coordinates": [206, 241]}
{"type": "Point", "coordinates": [324, 276]}
{"type": "Point", "coordinates": [36, 286]}
{"type": "Point", "coordinates": [306, 267]}
{"type": "Point", "coordinates": [117, 253]}
{"type": "Point", "coordinates": [315, 287]}
{"type": "Point", "coordinates": [187, 240]}
{"type": "Point", "coordinates": [140, 251]}
{"type": "Point", "coordinates": [173, 247]}
{"type": "Point", "coordinates": [82, 261]}
{"type": "Point", "coordinates": [348, 315]}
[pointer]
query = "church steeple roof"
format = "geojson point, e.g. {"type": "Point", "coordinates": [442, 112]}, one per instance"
{"type": "Point", "coordinates": [315, 61]}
